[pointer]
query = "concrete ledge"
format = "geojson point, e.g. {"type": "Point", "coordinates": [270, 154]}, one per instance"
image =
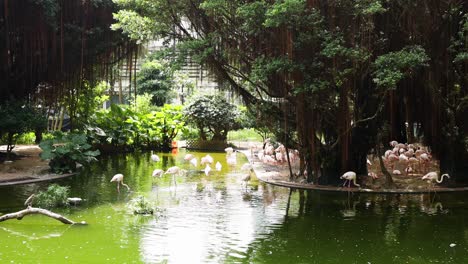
{"type": "Point", "coordinates": [275, 175]}
{"type": "Point", "coordinates": [325, 188]}
{"type": "Point", "coordinates": [28, 179]}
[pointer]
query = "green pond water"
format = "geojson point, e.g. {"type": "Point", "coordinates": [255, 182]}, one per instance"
{"type": "Point", "coordinates": [215, 219]}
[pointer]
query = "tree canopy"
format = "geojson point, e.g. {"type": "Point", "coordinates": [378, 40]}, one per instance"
{"type": "Point", "coordinates": [213, 116]}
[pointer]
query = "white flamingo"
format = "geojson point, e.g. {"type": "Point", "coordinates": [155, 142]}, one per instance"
{"type": "Point", "coordinates": [158, 173]}
{"type": "Point", "coordinates": [174, 171]}
{"type": "Point", "coordinates": [207, 169]}
{"type": "Point", "coordinates": [229, 150]}
{"type": "Point", "coordinates": [206, 159]}
{"type": "Point", "coordinates": [119, 179]}
{"type": "Point", "coordinates": [348, 177]}
{"type": "Point", "coordinates": [188, 157]}
{"type": "Point", "coordinates": [154, 157]}
{"type": "Point", "coordinates": [432, 177]}
{"type": "Point", "coordinates": [246, 167]}
{"type": "Point", "coordinates": [218, 166]}
{"type": "Point", "coordinates": [194, 162]}
{"type": "Point", "coordinates": [245, 179]}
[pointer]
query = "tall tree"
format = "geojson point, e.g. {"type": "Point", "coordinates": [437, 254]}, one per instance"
{"type": "Point", "coordinates": [54, 51]}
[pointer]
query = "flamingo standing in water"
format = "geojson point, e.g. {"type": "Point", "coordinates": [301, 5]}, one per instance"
{"type": "Point", "coordinates": [158, 173]}
{"type": "Point", "coordinates": [432, 178]}
{"type": "Point", "coordinates": [188, 157]}
{"type": "Point", "coordinates": [218, 166]}
{"type": "Point", "coordinates": [245, 179]}
{"type": "Point", "coordinates": [229, 150]}
{"type": "Point", "coordinates": [119, 179]}
{"type": "Point", "coordinates": [207, 169]}
{"type": "Point", "coordinates": [194, 162]}
{"type": "Point", "coordinates": [348, 177]}
{"type": "Point", "coordinates": [174, 171]}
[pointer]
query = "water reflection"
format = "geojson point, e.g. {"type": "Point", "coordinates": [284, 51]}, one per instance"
{"type": "Point", "coordinates": [214, 219]}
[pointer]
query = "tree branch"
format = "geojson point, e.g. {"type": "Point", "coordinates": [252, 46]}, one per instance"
{"type": "Point", "coordinates": [32, 210]}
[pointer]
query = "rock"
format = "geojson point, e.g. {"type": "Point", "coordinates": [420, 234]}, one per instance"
{"type": "Point", "coordinates": [74, 200]}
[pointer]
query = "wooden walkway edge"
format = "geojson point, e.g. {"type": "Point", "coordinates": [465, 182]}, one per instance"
{"type": "Point", "coordinates": [50, 177]}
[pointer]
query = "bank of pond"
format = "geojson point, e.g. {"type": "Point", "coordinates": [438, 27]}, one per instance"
{"type": "Point", "coordinates": [215, 218]}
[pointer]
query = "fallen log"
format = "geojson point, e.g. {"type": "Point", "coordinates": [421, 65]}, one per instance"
{"type": "Point", "coordinates": [32, 210]}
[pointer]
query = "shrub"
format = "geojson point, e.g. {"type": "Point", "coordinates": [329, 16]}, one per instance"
{"type": "Point", "coordinates": [140, 205]}
{"type": "Point", "coordinates": [54, 196]}
{"type": "Point", "coordinates": [122, 127]}
{"type": "Point", "coordinates": [65, 150]}
{"type": "Point", "coordinates": [16, 119]}
{"type": "Point", "coordinates": [213, 116]}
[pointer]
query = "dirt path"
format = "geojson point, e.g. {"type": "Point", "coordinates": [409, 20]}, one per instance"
{"type": "Point", "coordinates": [27, 165]}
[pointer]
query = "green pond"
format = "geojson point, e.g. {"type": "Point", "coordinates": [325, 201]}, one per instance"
{"type": "Point", "coordinates": [215, 219]}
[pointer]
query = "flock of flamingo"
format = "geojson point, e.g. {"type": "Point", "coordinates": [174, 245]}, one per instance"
{"type": "Point", "coordinates": [414, 160]}
{"type": "Point", "coordinates": [274, 156]}
{"type": "Point", "coordinates": [207, 160]}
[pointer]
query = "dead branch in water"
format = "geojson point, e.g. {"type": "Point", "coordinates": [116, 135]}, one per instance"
{"type": "Point", "coordinates": [32, 210]}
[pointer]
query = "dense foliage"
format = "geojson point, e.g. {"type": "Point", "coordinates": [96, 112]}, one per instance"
{"type": "Point", "coordinates": [123, 128]}
{"type": "Point", "coordinates": [154, 79]}
{"type": "Point", "coordinates": [66, 150]}
{"type": "Point", "coordinates": [213, 116]}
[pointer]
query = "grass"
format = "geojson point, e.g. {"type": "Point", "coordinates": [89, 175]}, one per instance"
{"type": "Point", "coordinates": [247, 134]}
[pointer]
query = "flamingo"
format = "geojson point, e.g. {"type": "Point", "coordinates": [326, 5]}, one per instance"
{"type": "Point", "coordinates": [246, 166]}
{"type": "Point", "coordinates": [252, 148]}
{"type": "Point", "coordinates": [119, 179]}
{"type": "Point", "coordinates": [403, 159]}
{"type": "Point", "coordinates": [188, 157]}
{"type": "Point", "coordinates": [174, 171]}
{"type": "Point", "coordinates": [218, 166]}
{"type": "Point", "coordinates": [408, 170]}
{"type": "Point", "coordinates": [413, 162]}
{"type": "Point", "coordinates": [387, 153]}
{"type": "Point", "coordinates": [154, 157]}
{"type": "Point", "coordinates": [396, 172]}
{"type": "Point", "coordinates": [158, 173]}
{"type": "Point", "coordinates": [194, 162]}
{"type": "Point", "coordinates": [231, 160]}
{"type": "Point", "coordinates": [229, 150]}
{"type": "Point", "coordinates": [206, 159]}
{"type": "Point", "coordinates": [348, 177]}
{"type": "Point", "coordinates": [245, 179]}
{"type": "Point", "coordinates": [432, 177]}
{"type": "Point", "coordinates": [424, 159]}
{"type": "Point", "coordinates": [392, 158]}
{"type": "Point", "coordinates": [207, 169]}
{"type": "Point", "coordinates": [373, 175]}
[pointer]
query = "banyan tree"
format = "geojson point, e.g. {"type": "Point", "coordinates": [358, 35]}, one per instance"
{"type": "Point", "coordinates": [342, 77]}
{"type": "Point", "coordinates": [52, 51]}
